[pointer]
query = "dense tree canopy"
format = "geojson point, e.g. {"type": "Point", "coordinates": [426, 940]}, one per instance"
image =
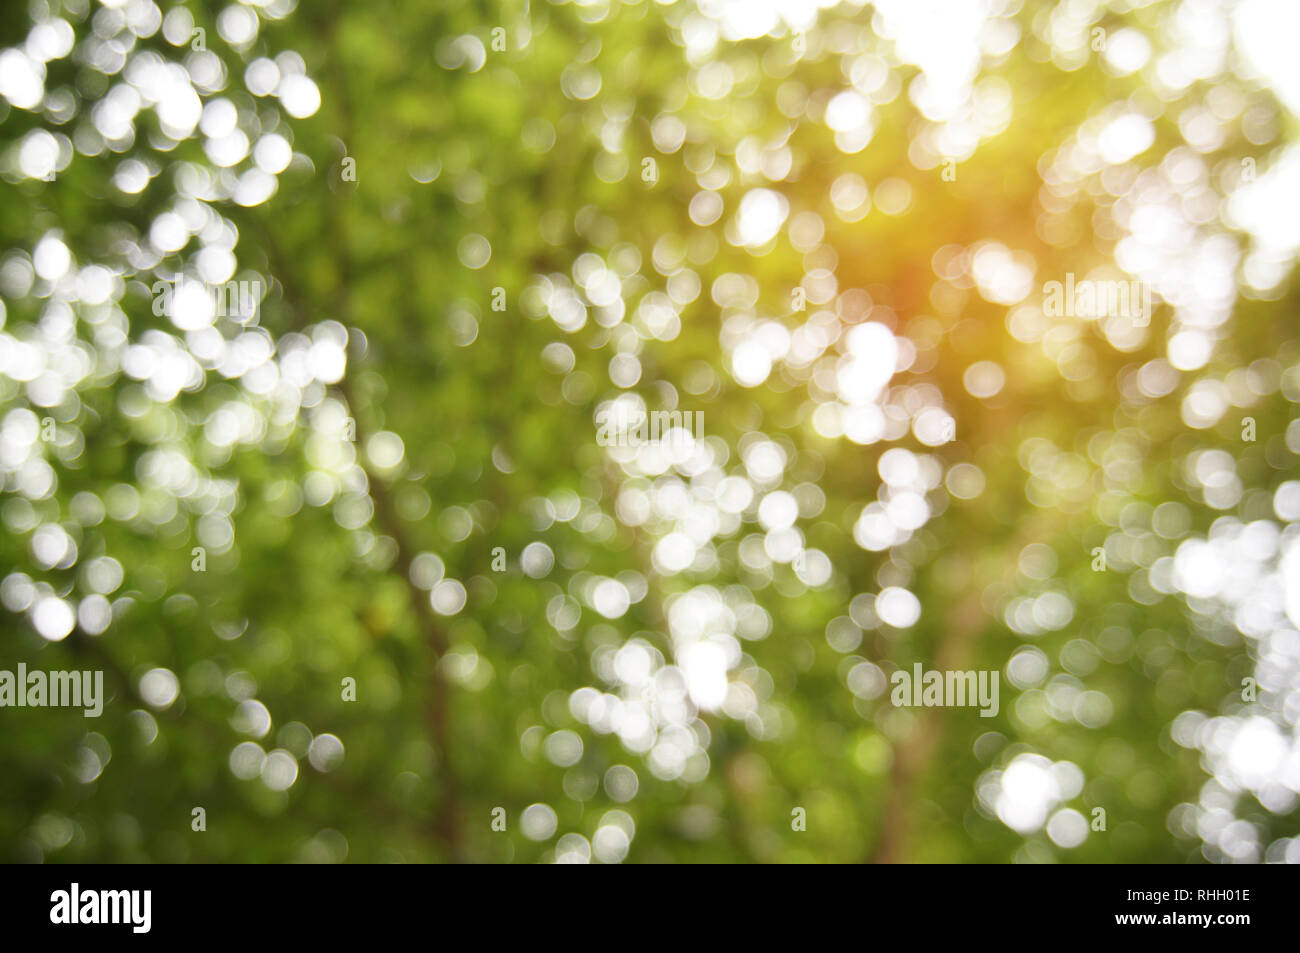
{"type": "Point", "coordinates": [334, 337]}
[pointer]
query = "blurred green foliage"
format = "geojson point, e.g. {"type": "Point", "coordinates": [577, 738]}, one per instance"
{"type": "Point", "coordinates": [313, 542]}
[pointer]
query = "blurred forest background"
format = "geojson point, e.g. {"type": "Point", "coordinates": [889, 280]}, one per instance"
{"type": "Point", "coordinates": [366, 587]}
